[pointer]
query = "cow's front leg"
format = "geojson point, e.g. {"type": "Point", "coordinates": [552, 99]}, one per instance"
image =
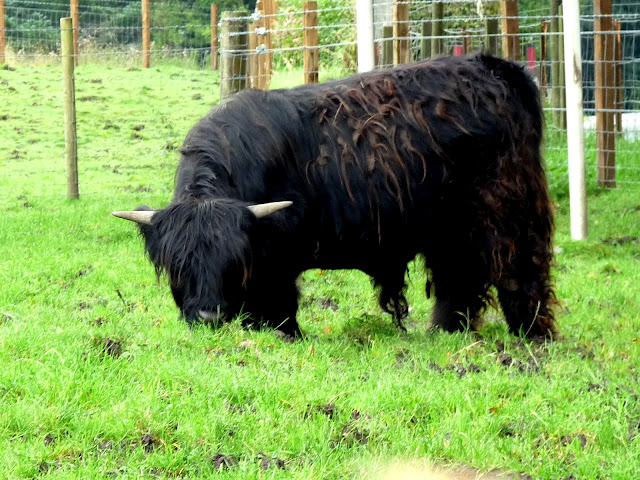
{"type": "Point", "coordinates": [273, 304]}
{"type": "Point", "coordinates": [461, 287]}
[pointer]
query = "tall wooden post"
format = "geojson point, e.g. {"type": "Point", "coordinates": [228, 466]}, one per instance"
{"type": "Point", "coordinates": [387, 46]}
{"type": "Point", "coordinates": [253, 68]}
{"type": "Point", "coordinates": [233, 53]}
{"type": "Point", "coordinates": [257, 62]}
{"type": "Point", "coordinates": [269, 10]}
{"type": "Point", "coordinates": [604, 92]}
{"type": "Point", "coordinates": [75, 15]}
{"type": "Point", "coordinates": [562, 105]}
{"type": "Point", "coordinates": [619, 76]}
{"type": "Point", "coordinates": [146, 34]}
{"type": "Point", "coordinates": [3, 41]}
{"type": "Point", "coordinates": [68, 88]}
{"type": "Point", "coordinates": [214, 36]}
{"type": "Point", "coordinates": [437, 28]}
{"type": "Point", "coordinates": [544, 54]}
{"type": "Point", "coordinates": [510, 29]}
{"type": "Point", "coordinates": [491, 35]}
{"type": "Point", "coordinates": [425, 40]}
{"type": "Point", "coordinates": [311, 53]}
{"type": "Point", "coordinates": [555, 40]}
{"type": "Point", "coordinates": [401, 41]}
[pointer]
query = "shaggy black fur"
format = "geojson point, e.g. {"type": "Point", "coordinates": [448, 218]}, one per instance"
{"type": "Point", "coordinates": [440, 158]}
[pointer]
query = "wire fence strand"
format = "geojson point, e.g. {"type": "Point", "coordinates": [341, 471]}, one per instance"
{"type": "Point", "coordinates": [110, 49]}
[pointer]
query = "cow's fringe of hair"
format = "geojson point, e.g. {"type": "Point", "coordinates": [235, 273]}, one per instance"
{"type": "Point", "coordinates": [193, 242]}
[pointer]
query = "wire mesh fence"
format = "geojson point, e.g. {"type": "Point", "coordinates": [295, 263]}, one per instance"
{"type": "Point", "coordinates": [109, 31]}
{"type": "Point", "coordinates": [294, 42]}
{"type": "Point", "coordinates": [297, 43]}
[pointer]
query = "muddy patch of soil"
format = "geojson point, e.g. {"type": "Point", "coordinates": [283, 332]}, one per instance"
{"type": "Point", "coordinates": [272, 462]}
{"type": "Point", "coordinates": [223, 462]}
{"type": "Point", "coordinates": [111, 347]}
{"type": "Point", "coordinates": [328, 304]}
{"type": "Point", "coordinates": [353, 432]}
{"type": "Point", "coordinates": [615, 242]}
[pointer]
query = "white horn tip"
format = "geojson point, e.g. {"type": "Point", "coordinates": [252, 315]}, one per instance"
{"type": "Point", "coordinates": [139, 216]}
{"type": "Point", "coordinates": [264, 209]}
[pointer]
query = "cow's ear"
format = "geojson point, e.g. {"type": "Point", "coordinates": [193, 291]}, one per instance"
{"type": "Point", "coordinates": [263, 209]}
{"type": "Point", "coordinates": [142, 217]}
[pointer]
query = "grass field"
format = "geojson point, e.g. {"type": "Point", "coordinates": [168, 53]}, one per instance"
{"type": "Point", "coordinates": [99, 379]}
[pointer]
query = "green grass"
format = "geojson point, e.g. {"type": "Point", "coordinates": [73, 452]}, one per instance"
{"type": "Point", "coordinates": [99, 379]}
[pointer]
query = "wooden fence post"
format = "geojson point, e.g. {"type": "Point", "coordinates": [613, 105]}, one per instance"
{"type": "Point", "coordinates": [387, 46]}
{"type": "Point", "coordinates": [562, 114]}
{"type": "Point", "coordinates": [425, 40]}
{"type": "Point", "coordinates": [544, 54]}
{"type": "Point", "coordinates": [233, 53]}
{"type": "Point", "coordinates": [214, 36]}
{"type": "Point", "coordinates": [253, 68]}
{"type": "Point", "coordinates": [604, 92]}
{"type": "Point", "coordinates": [619, 76]}
{"type": "Point", "coordinates": [311, 53]}
{"type": "Point", "coordinates": [3, 41]}
{"type": "Point", "coordinates": [401, 40]}
{"type": "Point", "coordinates": [510, 30]}
{"type": "Point", "coordinates": [437, 29]}
{"type": "Point", "coordinates": [68, 88]}
{"type": "Point", "coordinates": [491, 35]}
{"type": "Point", "coordinates": [555, 40]}
{"type": "Point", "coordinates": [75, 15]}
{"type": "Point", "coordinates": [269, 8]}
{"type": "Point", "coordinates": [257, 62]}
{"type": "Point", "coordinates": [146, 34]}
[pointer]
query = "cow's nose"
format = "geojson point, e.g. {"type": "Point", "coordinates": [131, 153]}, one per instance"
{"type": "Point", "coordinates": [212, 317]}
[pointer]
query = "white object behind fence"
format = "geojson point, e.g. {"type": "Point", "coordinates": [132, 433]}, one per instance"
{"type": "Point", "coordinates": [575, 114]}
{"type": "Point", "coordinates": [364, 26]}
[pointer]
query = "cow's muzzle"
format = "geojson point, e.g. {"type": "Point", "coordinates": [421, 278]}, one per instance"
{"type": "Point", "coordinates": [212, 318]}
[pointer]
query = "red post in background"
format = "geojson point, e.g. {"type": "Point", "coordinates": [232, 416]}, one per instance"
{"type": "Point", "coordinates": [531, 59]}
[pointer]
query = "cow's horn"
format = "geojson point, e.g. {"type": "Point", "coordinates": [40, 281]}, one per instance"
{"type": "Point", "coordinates": [264, 209]}
{"type": "Point", "coordinates": [139, 216]}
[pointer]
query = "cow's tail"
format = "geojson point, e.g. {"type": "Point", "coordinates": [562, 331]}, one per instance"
{"type": "Point", "coordinates": [522, 248]}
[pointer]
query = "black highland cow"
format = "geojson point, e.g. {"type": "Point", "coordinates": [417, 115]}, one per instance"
{"type": "Point", "coordinates": [440, 158]}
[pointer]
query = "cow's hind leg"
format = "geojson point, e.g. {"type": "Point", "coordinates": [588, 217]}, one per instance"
{"type": "Point", "coordinates": [525, 292]}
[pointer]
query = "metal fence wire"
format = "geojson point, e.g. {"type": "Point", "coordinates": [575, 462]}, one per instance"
{"type": "Point", "coordinates": [412, 30]}
{"type": "Point", "coordinates": [285, 44]}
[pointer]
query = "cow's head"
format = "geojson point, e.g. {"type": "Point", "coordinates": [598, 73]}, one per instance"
{"type": "Point", "coordinates": [204, 247]}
